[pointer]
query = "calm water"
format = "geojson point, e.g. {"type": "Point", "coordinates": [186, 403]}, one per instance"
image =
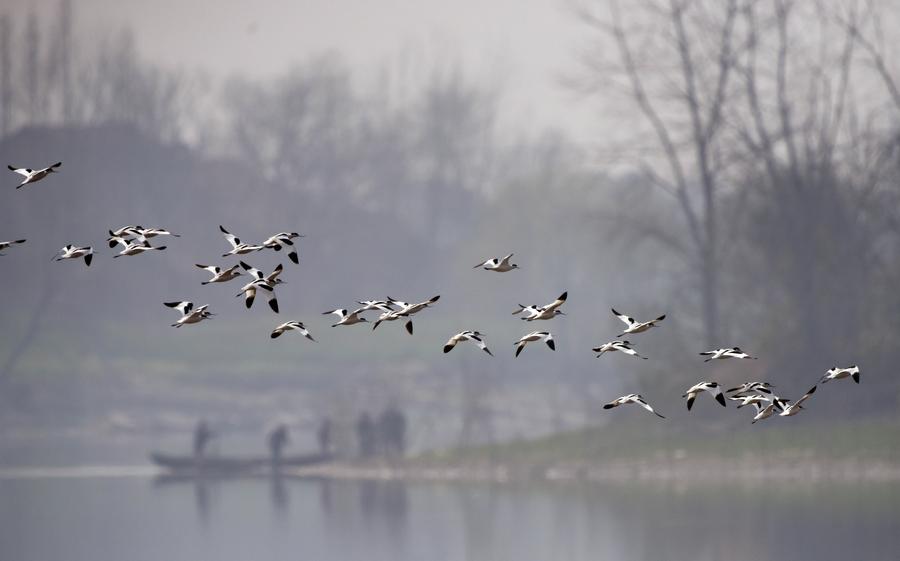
{"type": "Point", "coordinates": [139, 518]}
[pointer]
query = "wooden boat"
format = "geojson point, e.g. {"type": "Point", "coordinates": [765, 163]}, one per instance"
{"type": "Point", "coordinates": [222, 465]}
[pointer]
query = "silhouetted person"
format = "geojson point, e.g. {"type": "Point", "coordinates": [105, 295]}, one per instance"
{"type": "Point", "coordinates": [278, 438]}
{"type": "Point", "coordinates": [392, 432]}
{"type": "Point", "coordinates": [365, 436]}
{"type": "Point", "coordinates": [202, 436]}
{"type": "Point", "coordinates": [324, 436]}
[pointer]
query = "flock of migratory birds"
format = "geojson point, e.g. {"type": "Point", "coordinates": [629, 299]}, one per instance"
{"type": "Point", "coordinates": [135, 240]}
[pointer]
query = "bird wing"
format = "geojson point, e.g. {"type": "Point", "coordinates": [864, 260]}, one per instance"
{"type": "Point", "coordinates": [20, 171]}
{"type": "Point", "coordinates": [640, 401]}
{"type": "Point", "coordinates": [556, 303]}
{"type": "Point", "coordinates": [253, 271]}
{"type": "Point", "coordinates": [183, 307]}
{"type": "Point", "coordinates": [274, 274]}
{"type": "Point", "coordinates": [629, 321]}
{"type": "Point", "coordinates": [811, 391]}
{"type": "Point", "coordinates": [232, 239]}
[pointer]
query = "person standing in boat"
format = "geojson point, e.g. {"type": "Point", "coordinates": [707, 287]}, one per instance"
{"type": "Point", "coordinates": [202, 435]}
{"type": "Point", "coordinates": [324, 436]}
{"type": "Point", "coordinates": [278, 438]}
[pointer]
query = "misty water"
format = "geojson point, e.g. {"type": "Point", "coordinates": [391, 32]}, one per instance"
{"type": "Point", "coordinates": [146, 518]}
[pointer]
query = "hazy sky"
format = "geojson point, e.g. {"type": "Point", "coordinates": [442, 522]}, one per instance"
{"type": "Point", "coordinates": [526, 44]}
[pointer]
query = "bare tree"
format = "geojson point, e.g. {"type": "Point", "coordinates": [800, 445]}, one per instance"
{"type": "Point", "coordinates": [31, 71]}
{"type": "Point", "coordinates": [681, 85]}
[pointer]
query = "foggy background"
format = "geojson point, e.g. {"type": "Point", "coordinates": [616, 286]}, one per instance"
{"type": "Point", "coordinates": [733, 165]}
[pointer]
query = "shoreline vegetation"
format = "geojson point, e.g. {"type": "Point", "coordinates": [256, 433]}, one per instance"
{"type": "Point", "coordinates": [860, 451]}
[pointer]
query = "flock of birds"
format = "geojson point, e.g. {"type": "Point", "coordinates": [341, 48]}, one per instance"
{"type": "Point", "coordinates": [135, 240]}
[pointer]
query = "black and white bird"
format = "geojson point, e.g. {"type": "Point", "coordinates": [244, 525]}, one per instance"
{"type": "Point", "coordinates": [188, 313]}
{"type": "Point", "coordinates": [291, 326]}
{"type": "Point", "coordinates": [33, 175]}
{"type": "Point", "coordinates": [135, 246]}
{"type": "Point", "coordinates": [794, 408]}
{"type": "Point", "coordinates": [6, 245]}
{"type": "Point", "coordinates": [545, 336]}
{"type": "Point", "coordinates": [380, 305]}
{"type": "Point", "coordinates": [347, 318]}
{"type": "Point", "coordinates": [635, 326]}
{"type": "Point", "coordinates": [612, 346]}
{"type": "Point", "coordinates": [284, 239]}
{"type": "Point", "coordinates": [721, 354]}
{"type": "Point", "coordinates": [264, 283]}
{"type": "Point", "coordinates": [474, 336]}
{"type": "Point", "coordinates": [237, 247]}
{"type": "Point", "coordinates": [550, 311]}
{"type": "Point", "coordinates": [747, 387]}
{"type": "Point", "coordinates": [711, 387]}
{"type": "Point", "coordinates": [404, 310]}
{"type": "Point", "coordinates": [123, 232]}
{"type": "Point", "coordinates": [632, 398]}
{"type": "Point", "coordinates": [149, 233]}
{"type": "Point", "coordinates": [751, 399]}
{"type": "Point", "coordinates": [219, 274]}
{"type": "Point", "coordinates": [498, 264]}
{"type": "Point", "coordinates": [832, 374]}
{"type": "Point", "coordinates": [763, 412]}
{"type": "Point", "coordinates": [75, 252]}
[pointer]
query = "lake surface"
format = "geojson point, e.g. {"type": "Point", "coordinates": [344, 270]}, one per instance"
{"type": "Point", "coordinates": [138, 518]}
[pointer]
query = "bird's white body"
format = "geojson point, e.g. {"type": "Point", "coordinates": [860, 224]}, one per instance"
{"type": "Point", "coordinates": [632, 398]}
{"type": "Point", "coordinates": [347, 318]}
{"type": "Point", "coordinates": [33, 175]}
{"type": "Point", "coordinates": [763, 412]}
{"type": "Point", "coordinates": [219, 274]}
{"type": "Point", "coordinates": [291, 326]}
{"type": "Point", "coordinates": [550, 311]}
{"type": "Point", "coordinates": [721, 354]}
{"type": "Point", "coordinates": [189, 314]}
{"type": "Point", "coordinates": [747, 387]}
{"type": "Point", "coordinates": [75, 252]}
{"type": "Point", "coordinates": [711, 387]}
{"type": "Point", "coordinates": [794, 408]}
{"type": "Point", "coordinates": [238, 247]}
{"type": "Point", "coordinates": [621, 346]}
{"type": "Point", "coordinates": [474, 336]}
{"type": "Point", "coordinates": [282, 239]}
{"type": "Point", "coordinates": [497, 264]}
{"type": "Point", "coordinates": [635, 326]}
{"type": "Point", "coordinates": [545, 336]}
{"type": "Point", "coordinates": [838, 373]}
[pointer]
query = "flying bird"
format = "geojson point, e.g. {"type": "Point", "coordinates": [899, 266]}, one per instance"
{"type": "Point", "coordinates": [6, 245]}
{"type": "Point", "coordinates": [612, 346]}
{"type": "Point", "coordinates": [833, 374]}
{"type": "Point", "coordinates": [219, 274]}
{"type": "Point", "coordinates": [747, 387]}
{"type": "Point", "coordinates": [33, 175]}
{"type": "Point", "coordinates": [188, 313]}
{"type": "Point", "coordinates": [291, 326]}
{"type": "Point", "coordinates": [635, 326]}
{"type": "Point", "coordinates": [75, 252]}
{"type": "Point", "coordinates": [721, 354]}
{"type": "Point", "coordinates": [753, 399]}
{"type": "Point", "coordinates": [497, 264]}
{"type": "Point", "coordinates": [474, 336]}
{"type": "Point", "coordinates": [282, 239]}
{"type": "Point", "coordinates": [347, 318]}
{"type": "Point", "coordinates": [404, 310]}
{"type": "Point", "coordinates": [632, 398]}
{"type": "Point", "coordinates": [237, 247]}
{"type": "Point", "coordinates": [550, 311]}
{"type": "Point", "coordinates": [697, 389]}
{"type": "Point", "coordinates": [763, 412]}
{"type": "Point", "coordinates": [545, 336]}
{"type": "Point", "coordinates": [794, 408]}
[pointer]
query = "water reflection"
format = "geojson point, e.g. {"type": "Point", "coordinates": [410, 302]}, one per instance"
{"type": "Point", "coordinates": [235, 519]}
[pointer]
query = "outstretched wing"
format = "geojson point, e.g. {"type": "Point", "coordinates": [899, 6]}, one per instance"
{"type": "Point", "coordinates": [629, 321]}
{"type": "Point", "coordinates": [232, 239]}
